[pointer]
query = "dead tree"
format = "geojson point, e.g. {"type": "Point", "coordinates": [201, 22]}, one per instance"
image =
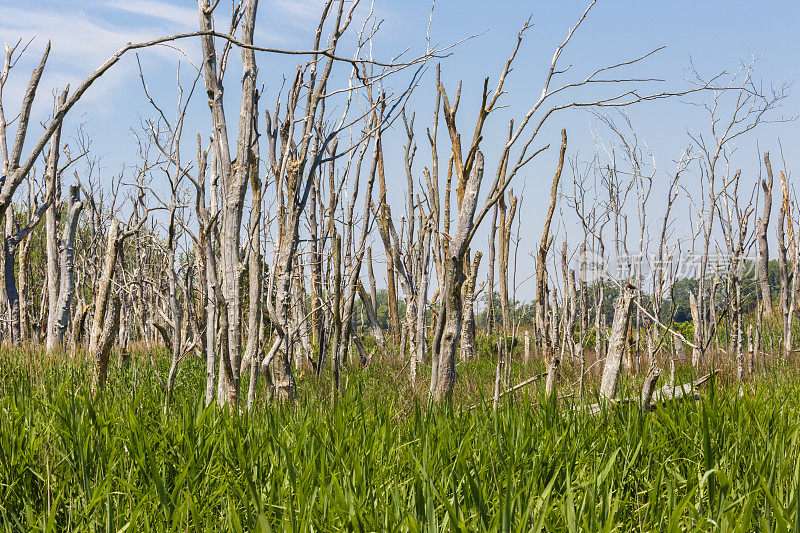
{"type": "Point", "coordinates": [369, 301]}
{"type": "Point", "coordinates": [25, 248]}
{"type": "Point", "coordinates": [166, 136]}
{"type": "Point", "coordinates": [297, 163]}
{"type": "Point", "coordinates": [490, 319]}
{"type": "Point", "coordinates": [55, 334]}
{"type": "Point", "coordinates": [663, 258]}
{"type": "Point", "coordinates": [542, 290]}
{"type": "Point", "coordinates": [569, 307]}
{"type": "Point", "coordinates": [762, 225]}
{"type": "Point", "coordinates": [468, 180]}
{"type": "Point", "coordinates": [102, 349]}
{"type": "Point", "coordinates": [207, 215]}
{"type": "Point", "coordinates": [737, 108]}
{"type": "Point", "coordinates": [105, 319]}
{"type": "Point", "coordinates": [233, 179]}
{"type": "Point", "coordinates": [255, 274]}
{"type": "Point", "coordinates": [784, 221]}
{"type": "Point", "coordinates": [408, 259]}
{"type": "Point", "coordinates": [506, 221]}
{"type": "Point", "coordinates": [356, 250]}
{"type": "Point", "coordinates": [790, 274]}
{"type": "Point", "coordinates": [59, 320]}
{"type": "Point", "coordinates": [10, 247]}
{"type": "Point", "coordinates": [616, 343]}
{"type": "Point", "coordinates": [629, 157]}
{"type": "Point", "coordinates": [734, 221]}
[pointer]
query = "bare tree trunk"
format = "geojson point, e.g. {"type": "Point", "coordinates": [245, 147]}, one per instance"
{"type": "Point", "coordinates": [568, 309]}
{"type": "Point", "coordinates": [552, 374]}
{"type": "Point", "coordinates": [757, 341]}
{"type": "Point", "coordinates": [337, 322]}
{"type": "Point", "coordinates": [542, 298]}
{"type": "Point", "coordinates": [697, 332]}
{"type": "Point", "coordinates": [210, 297]}
{"type": "Point", "coordinates": [103, 348]}
{"type": "Point", "coordinates": [448, 324]}
{"type": "Point", "coordinates": [785, 221]}
{"type": "Point", "coordinates": [370, 303]}
{"type": "Point", "coordinates": [763, 249]}
{"type": "Point", "coordinates": [176, 310]}
{"type": "Point", "coordinates": [527, 353]}
{"type": "Point", "coordinates": [251, 350]}
{"type": "Point", "coordinates": [10, 245]}
{"type": "Point", "coordinates": [737, 337]}
{"type": "Point", "coordinates": [616, 344]}
{"type": "Point", "coordinates": [101, 298]}
{"type": "Point", "coordinates": [254, 364]}
{"type": "Point", "coordinates": [356, 261]}
{"type": "Point", "coordinates": [24, 288]}
{"type": "Point", "coordinates": [468, 328]}
{"type": "Point", "coordinates": [79, 327]}
{"type": "Point", "coordinates": [552, 371]}
{"type": "Point", "coordinates": [58, 321]}
{"type": "Point", "coordinates": [422, 297]}
{"type": "Point", "coordinates": [12, 295]}
{"type": "Point", "coordinates": [490, 285]}
{"type": "Point", "coordinates": [234, 180]}
{"type": "Point", "coordinates": [391, 284]}
{"type": "Point", "coordinates": [506, 221]}
{"type": "Point", "coordinates": [53, 191]}
{"type": "Point", "coordinates": [787, 345]}
{"type": "Point", "coordinates": [599, 317]}
{"type": "Point", "coordinates": [649, 384]}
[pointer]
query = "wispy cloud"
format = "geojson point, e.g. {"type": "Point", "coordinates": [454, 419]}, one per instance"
{"type": "Point", "coordinates": [77, 37]}
{"type": "Point", "coordinates": [83, 36]}
{"type": "Point", "coordinates": [301, 12]}
{"type": "Point", "coordinates": [184, 17]}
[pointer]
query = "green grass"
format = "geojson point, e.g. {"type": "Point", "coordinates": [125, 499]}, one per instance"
{"type": "Point", "coordinates": [375, 461]}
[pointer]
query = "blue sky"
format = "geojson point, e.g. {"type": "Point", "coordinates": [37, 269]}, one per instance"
{"type": "Point", "coordinates": [711, 35]}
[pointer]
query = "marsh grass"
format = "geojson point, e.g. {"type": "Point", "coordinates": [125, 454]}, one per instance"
{"type": "Point", "coordinates": [377, 460]}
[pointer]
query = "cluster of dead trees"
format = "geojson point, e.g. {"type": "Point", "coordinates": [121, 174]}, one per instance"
{"type": "Point", "coordinates": [253, 250]}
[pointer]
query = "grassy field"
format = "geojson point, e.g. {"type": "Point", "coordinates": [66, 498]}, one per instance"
{"type": "Point", "coordinates": [377, 461]}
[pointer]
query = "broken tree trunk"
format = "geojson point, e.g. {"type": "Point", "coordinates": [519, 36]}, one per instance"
{"type": "Point", "coordinates": [616, 344]}
{"type": "Point", "coordinates": [649, 385]}
{"type": "Point", "coordinates": [550, 353]}
{"type": "Point", "coordinates": [448, 322]}
{"type": "Point", "coordinates": [103, 348]}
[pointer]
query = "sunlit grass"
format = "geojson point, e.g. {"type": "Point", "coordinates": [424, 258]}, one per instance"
{"type": "Point", "coordinates": [376, 460]}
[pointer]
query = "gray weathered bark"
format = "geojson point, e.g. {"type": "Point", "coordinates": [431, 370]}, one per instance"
{"type": "Point", "coordinates": [58, 321]}
{"type": "Point", "coordinates": [53, 192]}
{"type": "Point", "coordinates": [234, 181]}
{"type": "Point", "coordinates": [763, 246]}
{"type": "Point", "coordinates": [101, 297]}
{"type": "Point", "coordinates": [550, 352]}
{"type": "Point", "coordinates": [468, 328]}
{"type": "Point", "coordinates": [448, 324]}
{"type": "Point", "coordinates": [616, 343]}
{"type": "Point", "coordinates": [649, 385]}
{"type": "Point", "coordinates": [103, 348]}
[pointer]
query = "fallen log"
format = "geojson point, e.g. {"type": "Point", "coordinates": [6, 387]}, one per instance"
{"type": "Point", "coordinates": [528, 381]}
{"type": "Point", "coordinates": [665, 394]}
